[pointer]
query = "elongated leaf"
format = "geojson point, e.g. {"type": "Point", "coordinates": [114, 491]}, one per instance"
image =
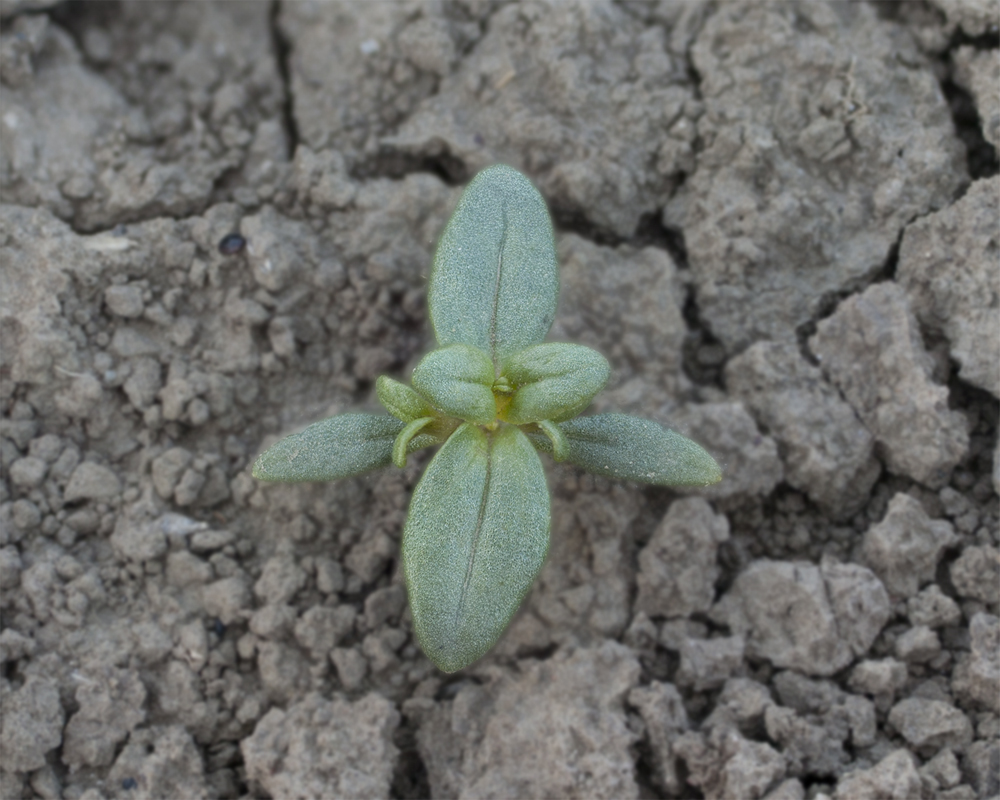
{"type": "Point", "coordinates": [338, 447]}
{"type": "Point", "coordinates": [475, 538]}
{"type": "Point", "coordinates": [400, 400]}
{"type": "Point", "coordinates": [634, 449]}
{"type": "Point", "coordinates": [553, 381]}
{"type": "Point", "coordinates": [494, 281]}
{"type": "Point", "coordinates": [458, 380]}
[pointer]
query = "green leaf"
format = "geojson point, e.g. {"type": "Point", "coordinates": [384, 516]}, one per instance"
{"type": "Point", "coordinates": [494, 280]}
{"type": "Point", "coordinates": [458, 380]}
{"type": "Point", "coordinates": [400, 400]}
{"type": "Point", "coordinates": [399, 447]}
{"type": "Point", "coordinates": [338, 447]}
{"type": "Point", "coordinates": [635, 449]}
{"type": "Point", "coordinates": [553, 381]}
{"type": "Point", "coordinates": [475, 538]}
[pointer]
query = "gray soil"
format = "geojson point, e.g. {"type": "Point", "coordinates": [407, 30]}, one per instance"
{"type": "Point", "coordinates": [778, 222]}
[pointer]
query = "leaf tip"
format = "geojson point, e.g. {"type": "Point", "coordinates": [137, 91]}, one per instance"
{"type": "Point", "coordinates": [258, 471]}
{"type": "Point", "coordinates": [713, 472]}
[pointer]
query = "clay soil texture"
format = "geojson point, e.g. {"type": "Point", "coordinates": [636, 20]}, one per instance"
{"type": "Point", "coordinates": [779, 222]}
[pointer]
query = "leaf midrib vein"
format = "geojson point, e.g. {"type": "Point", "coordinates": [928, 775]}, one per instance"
{"type": "Point", "coordinates": [476, 533]}
{"type": "Point", "coordinates": [496, 288]}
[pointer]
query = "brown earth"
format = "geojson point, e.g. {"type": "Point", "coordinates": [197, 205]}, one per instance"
{"type": "Point", "coordinates": [780, 225]}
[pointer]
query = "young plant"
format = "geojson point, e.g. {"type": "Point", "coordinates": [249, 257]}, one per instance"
{"type": "Point", "coordinates": [492, 395]}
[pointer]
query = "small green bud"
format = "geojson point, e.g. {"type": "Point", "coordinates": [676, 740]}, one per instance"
{"type": "Point", "coordinates": [553, 381]}
{"type": "Point", "coordinates": [458, 381]}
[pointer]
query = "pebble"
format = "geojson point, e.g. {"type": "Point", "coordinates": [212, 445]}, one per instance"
{"type": "Point", "coordinates": [92, 482]}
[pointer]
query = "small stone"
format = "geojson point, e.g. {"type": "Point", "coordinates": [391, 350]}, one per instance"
{"type": "Point", "coordinates": [175, 397]}
{"type": "Point", "coordinates": [980, 766]}
{"type": "Point", "coordinates": [727, 766]}
{"type": "Point", "coordinates": [783, 610]}
{"type": "Point", "coordinates": [859, 601]}
{"type": "Point", "coordinates": [320, 629]}
{"type": "Point", "coordinates": [384, 605]}
{"type": "Point", "coordinates": [728, 432]}
{"type": "Point", "coordinates": [92, 482]}
{"type": "Point", "coordinates": [28, 472]}
{"type": "Point", "coordinates": [324, 748]}
{"type": "Point", "coordinates": [905, 547]}
{"type": "Point", "coordinates": [947, 266]}
{"type": "Point", "coordinates": [827, 451]}
{"type": "Point", "coordinates": [984, 663]}
{"type": "Point", "coordinates": [872, 350]}
{"type": "Point", "coordinates": [742, 704]}
{"type": "Point", "coordinates": [110, 705]}
{"type": "Point", "coordinates": [10, 567]}
{"type": "Point", "coordinates": [198, 412]}
{"type": "Point", "coordinates": [880, 679]}
{"type": "Point", "coordinates": [351, 666]}
{"type": "Point", "coordinates": [808, 748]}
{"type": "Point", "coordinates": [918, 645]}
{"type": "Point", "coordinates": [143, 385]}
{"type": "Point", "coordinates": [84, 521]}
{"type": "Point", "coordinates": [25, 515]}
{"type": "Point", "coordinates": [186, 569]}
{"type": "Point", "coordinates": [791, 789]}
{"type": "Point", "coordinates": [152, 644]}
{"type": "Point", "coordinates": [806, 695]}
{"type": "Point", "coordinates": [31, 725]}
{"type": "Point", "coordinates": [227, 598]}
{"type": "Point", "coordinates": [128, 342]}
{"type": "Point", "coordinates": [943, 769]}
{"type": "Point", "coordinates": [930, 724]}
{"type": "Point", "coordinates": [138, 540]}
{"type": "Point", "coordinates": [662, 709]}
{"type": "Point", "coordinates": [47, 447]}
{"type": "Point", "coordinates": [976, 574]}
{"type": "Point", "coordinates": [272, 621]}
{"type": "Point", "coordinates": [188, 487]}
{"type": "Point", "coordinates": [895, 777]}
{"type": "Point", "coordinates": [860, 714]}
{"type": "Point", "coordinates": [677, 568]}
{"type": "Point", "coordinates": [329, 575]}
{"type": "Point", "coordinates": [933, 608]}
{"type": "Point", "coordinates": [379, 652]}
{"type": "Point", "coordinates": [211, 540]}
{"type": "Point", "coordinates": [63, 467]}
{"type": "Point", "coordinates": [124, 301]}
{"type": "Point", "coordinates": [163, 756]}
{"type": "Point", "coordinates": [81, 397]}
{"type": "Point", "coordinates": [709, 663]}
{"type": "Point", "coordinates": [280, 580]}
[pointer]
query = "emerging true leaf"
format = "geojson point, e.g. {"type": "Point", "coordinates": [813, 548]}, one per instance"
{"type": "Point", "coordinates": [401, 401]}
{"type": "Point", "coordinates": [399, 448]}
{"type": "Point", "coordinates": [635, 449]}
{"type": "Point", "coordinates": [457, 380]}
{"type": "Point", "coordinates": [338, 447]}
{"type": "Point", "coordinates": [475, 538]}
{"type": "Point", "coordinates": [494, 281]}
{"type": "Point", "coordinates": [553, 381]}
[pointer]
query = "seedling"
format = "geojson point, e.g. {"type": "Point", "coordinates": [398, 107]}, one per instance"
{"type": "Point", "coordinates": [492, 395]}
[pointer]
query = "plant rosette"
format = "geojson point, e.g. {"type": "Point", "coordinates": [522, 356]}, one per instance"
{"type": "Point", "coordinates": [492, 396]}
